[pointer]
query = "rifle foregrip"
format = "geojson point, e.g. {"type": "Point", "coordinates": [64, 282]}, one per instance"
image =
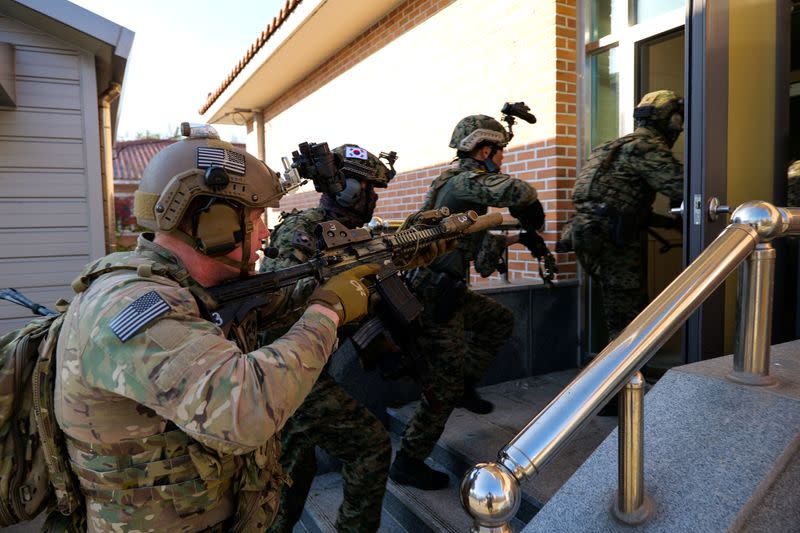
{"type": "Point", "coordinates": [484, 222]}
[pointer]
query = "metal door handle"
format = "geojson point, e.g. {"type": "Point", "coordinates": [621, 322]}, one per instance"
{"type": "Point", "coordinates": [715, 208]}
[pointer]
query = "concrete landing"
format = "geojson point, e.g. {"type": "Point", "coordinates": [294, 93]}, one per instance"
{"type": "Point", "coordinates": [719, 456]}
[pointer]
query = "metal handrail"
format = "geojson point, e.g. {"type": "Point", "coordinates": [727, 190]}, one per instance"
{"type": "Point", "coordinates": [490, 492]}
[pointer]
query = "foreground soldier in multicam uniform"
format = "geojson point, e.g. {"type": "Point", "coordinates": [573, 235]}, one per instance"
{"type": "Point", "coordinates": [453, 365]}
{"type": "Point", "coordinates": [330, 418]}
{"type": "Point", "coordinates": [170, 426]}
{"type": "Point", "coordinates": [613, 196]}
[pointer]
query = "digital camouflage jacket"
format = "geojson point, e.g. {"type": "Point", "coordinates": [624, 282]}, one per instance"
{"type": "Point", "coordinates": [624, 175]}
{"type": "Point", "coordinates": [470, 186]}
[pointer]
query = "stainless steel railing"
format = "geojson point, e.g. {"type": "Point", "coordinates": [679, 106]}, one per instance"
{"type": "Point", "coordinates": [490, 492]}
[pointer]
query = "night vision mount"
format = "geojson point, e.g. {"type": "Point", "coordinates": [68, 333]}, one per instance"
{"type": "Point", "coordinates": [315, 162]}
{"type": "Point", "coordinates": [511, 112]}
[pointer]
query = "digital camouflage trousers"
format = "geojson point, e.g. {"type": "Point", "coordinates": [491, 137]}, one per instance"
{"type": "Point", "coordinates": [617, 269]}
{"type": "Point", "coordinates": [333, 420]}
{"type": "Point", "coordinates": [455, 353]}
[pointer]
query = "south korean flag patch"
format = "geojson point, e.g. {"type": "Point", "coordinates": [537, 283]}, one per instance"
{"type": "Point", "coordinates": [138, 314]}
{"type": "Point", "coordinates": [354, 152]}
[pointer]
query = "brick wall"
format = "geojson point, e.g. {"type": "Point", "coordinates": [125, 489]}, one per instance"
{"type": "Point", "coordinates": [549, 164]}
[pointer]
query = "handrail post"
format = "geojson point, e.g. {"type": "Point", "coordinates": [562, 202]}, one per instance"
{"type": "Point", "coordinates": [631, 506]}
{"type": "Point", "coordinates": [754, 318]}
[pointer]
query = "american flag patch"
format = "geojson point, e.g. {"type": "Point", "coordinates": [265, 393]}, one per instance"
{"type": "Point", "coordinates": [131, 319]}
{"type": "Point", "coordinates": [220, 157]}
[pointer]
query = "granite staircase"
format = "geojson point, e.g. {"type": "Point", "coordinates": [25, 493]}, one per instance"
{"type": "Point", "coordinates": [719, 456]}
{"type": "Point", "coordinates": [468, 439]}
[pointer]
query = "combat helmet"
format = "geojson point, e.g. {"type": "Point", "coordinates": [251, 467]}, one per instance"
{"type": "Point", "coordinates": [360, 164]}
{"type": "Point", "coordinates": [474, 129]}
{"type": "Point", "coordinates": [657, 109]}
{"type": "Point", "coordinates": [210, 183]}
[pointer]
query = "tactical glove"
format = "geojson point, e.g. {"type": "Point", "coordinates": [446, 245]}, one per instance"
{"type": "Point", "coordinates": [547, 263]}
{"type": "Point", "coordinates": [531, 216]}
{"type": "Point", "coordinates": [346, 294]}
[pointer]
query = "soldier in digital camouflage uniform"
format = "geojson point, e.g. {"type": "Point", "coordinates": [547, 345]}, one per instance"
{"type": "Point", "coordinates": [452, 312]}
{"type": "Point", "coordinates": [169, 425]}
{"type": "Point", "coordinates": [330, 418]}
{"type": "Point", "coordinates": [613, 196]}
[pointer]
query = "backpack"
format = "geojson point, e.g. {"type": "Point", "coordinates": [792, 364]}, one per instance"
{"type": "Point", "coordinates": [34, 472]}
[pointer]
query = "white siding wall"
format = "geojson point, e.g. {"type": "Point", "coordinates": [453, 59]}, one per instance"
{"type": "Point", "coordinates": [50, 201]}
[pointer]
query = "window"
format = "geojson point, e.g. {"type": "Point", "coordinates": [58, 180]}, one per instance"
{"type": "Point", "coordinates": [605, 96]}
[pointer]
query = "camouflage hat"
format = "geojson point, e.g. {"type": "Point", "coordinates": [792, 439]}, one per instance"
{"type": "Point", "coordinates": [474, 129]}
{"type": "Point", "coordinates": [202, 165]}
{"type": "Point", "coordinates": [658, 105]}
{"type": "Point", "coordinates": [362, 165]}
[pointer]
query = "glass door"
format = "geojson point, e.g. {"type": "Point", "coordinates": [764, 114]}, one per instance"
{"type": "Point", "coordinates": [632, 47]}
{"type": "Point", "coordinates": [660, 65]}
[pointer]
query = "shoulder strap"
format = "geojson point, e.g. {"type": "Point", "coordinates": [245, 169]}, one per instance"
{"type": "Point", "coordinates": [436, 186]}
{"type": "Point", "coordinates": [144, 266]}
{"type": "Point", "coordinates": [67, 494]}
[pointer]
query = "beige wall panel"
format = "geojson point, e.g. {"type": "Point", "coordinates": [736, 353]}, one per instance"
{"type": "Point", "coordinates": [42, 214]}
{"type": "Point", "coordinates": [29, 242]}
{"type": "Point", "coordinates": [47, 271]}
{"type": "Point", "coordinates": [48, 161]}
{"type": "Point", "coordinates": [30, 184]}
{"type": "Point", "coordinates": [469, 58]}
{"type": "Point", "coordinates": [19, 34]}
{"type": "Point", "coordinates": [48, 95]}
{"type": "Point", "coordinates": [26, 155]}
{"type": "Point", "coordinates": [40, 63]}
{"type": "Point", "coordinates": [43, 125]}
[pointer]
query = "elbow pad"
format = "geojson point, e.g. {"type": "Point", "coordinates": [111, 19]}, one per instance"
{"type": "Point", "coordinates": [531, 216]}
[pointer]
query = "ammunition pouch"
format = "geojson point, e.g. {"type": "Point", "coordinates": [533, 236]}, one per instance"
{"type": "Point", "coordinates": [622, 228]}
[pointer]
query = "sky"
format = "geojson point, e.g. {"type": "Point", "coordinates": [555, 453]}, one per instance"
{"type": "Point", "coordinates": [182, 51]}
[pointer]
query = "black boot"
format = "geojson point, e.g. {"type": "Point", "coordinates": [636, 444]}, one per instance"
{"type": "Point", "coordinates": [471, 401]}
{"type": "Point", "coordinates": [406, 470]}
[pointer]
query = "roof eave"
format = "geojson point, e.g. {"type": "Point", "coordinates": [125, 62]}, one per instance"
{"type": "Point", "coordinates": [294, 51]}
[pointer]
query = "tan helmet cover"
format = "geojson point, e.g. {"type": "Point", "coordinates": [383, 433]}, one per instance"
{"type": "Point", "coordinates": [176, 176]}
{"type": "Point", "coordinates": [474, 129]}
{"type": "Point", "coordinates": [660, 105]}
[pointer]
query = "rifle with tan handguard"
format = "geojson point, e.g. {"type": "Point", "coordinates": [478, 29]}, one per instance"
{"type": "Point", "coordinates": [341, 248]}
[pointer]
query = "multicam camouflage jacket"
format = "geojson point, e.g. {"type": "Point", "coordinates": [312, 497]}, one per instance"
{"type": "Point", "coordinates": [169, 425]}
{"type": "Point", "coordinates": [622, 176]}
{"type": "Point", "coordinates": [470, 186]}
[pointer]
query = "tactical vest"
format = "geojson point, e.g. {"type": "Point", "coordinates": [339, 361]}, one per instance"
{"type": "Point", "coordinates": [441, 194]}
{"type": "Point", "coordinates": [587, 197]}
{"type": "Point", "coordinates": [171, 466]}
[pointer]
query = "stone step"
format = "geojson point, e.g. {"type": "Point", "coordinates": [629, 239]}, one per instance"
{"type": "Point", "coordinates": [469, 439]}
{"type": "Point", "coordinates": [322, 505]}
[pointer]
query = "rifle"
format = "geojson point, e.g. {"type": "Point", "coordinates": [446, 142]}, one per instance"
{"type": "Point", "coordinates": [14, 296]}
{"type": "Point", "coordinates": [340, 249]}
